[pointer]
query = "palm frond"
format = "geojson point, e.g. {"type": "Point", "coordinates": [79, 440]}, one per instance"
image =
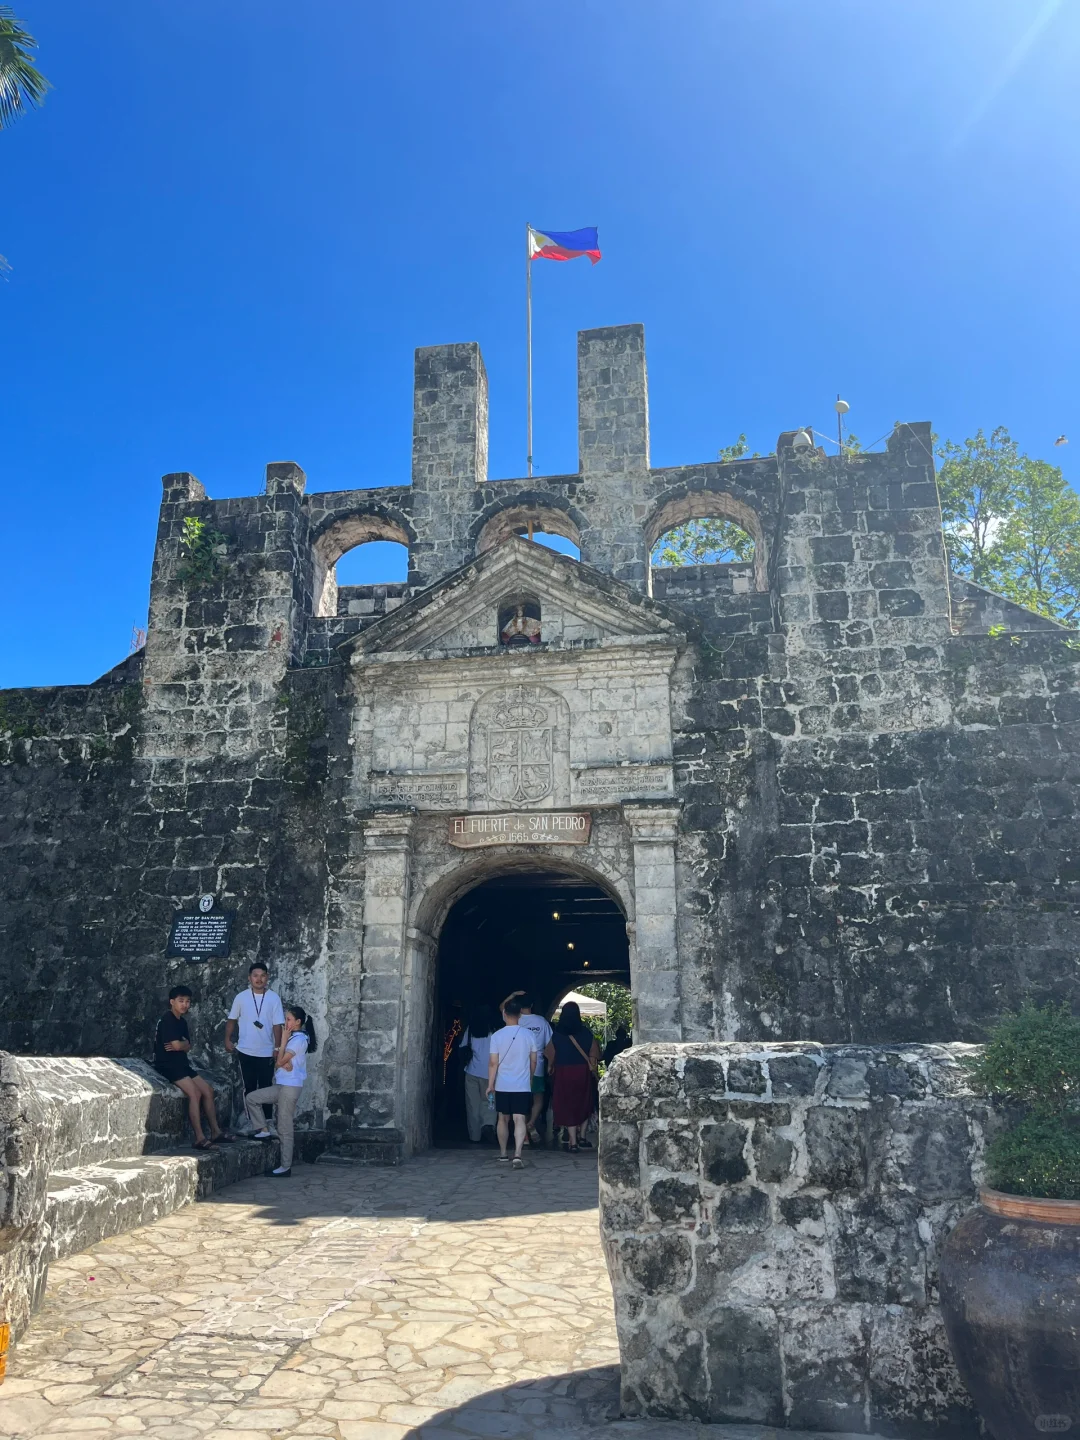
{"type": "Point", "coordinates": [21, 83]}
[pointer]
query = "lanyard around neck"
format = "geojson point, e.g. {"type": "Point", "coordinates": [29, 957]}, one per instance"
{"type": "Point", "coordinates": [258, 1002]}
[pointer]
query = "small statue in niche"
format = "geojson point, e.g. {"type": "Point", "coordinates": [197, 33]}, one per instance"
{"type": "Point", "coordinates": [520, 627]}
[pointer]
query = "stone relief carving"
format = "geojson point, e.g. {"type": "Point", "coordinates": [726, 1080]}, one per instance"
{"type": "Point", "coordinates": [519, 748]}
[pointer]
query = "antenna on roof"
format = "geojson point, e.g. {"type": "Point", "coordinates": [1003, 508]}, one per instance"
{"type": "Point", "coordinates": [841, 407]}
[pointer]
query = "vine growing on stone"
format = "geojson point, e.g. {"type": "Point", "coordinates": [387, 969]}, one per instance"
{"type": "Point", "coordinates": [204, 550]}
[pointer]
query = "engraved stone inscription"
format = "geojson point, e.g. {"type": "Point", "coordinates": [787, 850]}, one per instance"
{"type": "Point", "coordinates": [548, 827]}
{"type": "Point", "coordinates": [609, 784]}
{"type": "Point", "coordinates": [426, 792]}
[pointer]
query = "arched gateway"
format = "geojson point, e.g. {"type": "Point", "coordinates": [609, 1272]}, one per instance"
{"type": "Point", "coordinates": [554, 770]}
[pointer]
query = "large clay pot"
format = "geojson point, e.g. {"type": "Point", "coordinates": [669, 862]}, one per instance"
{"type": "Point", "coordinates": [1010, 1295]}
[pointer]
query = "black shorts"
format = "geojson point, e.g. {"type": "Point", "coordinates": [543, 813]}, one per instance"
{"type": "Point", "coordinates": [513, 1102]}
{"type": "Point", "coordinates": [178, 1069]}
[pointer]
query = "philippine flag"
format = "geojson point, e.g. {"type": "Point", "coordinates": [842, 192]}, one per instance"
{"type": "Point", "coordinates": [563, 244]}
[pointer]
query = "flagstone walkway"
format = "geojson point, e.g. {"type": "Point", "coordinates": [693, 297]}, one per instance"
{"type": "Point", "coordinates": [451, 1297]}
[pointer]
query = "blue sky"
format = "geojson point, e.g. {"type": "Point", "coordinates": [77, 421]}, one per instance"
{"type": "Point", "coordinates": [233, 220]}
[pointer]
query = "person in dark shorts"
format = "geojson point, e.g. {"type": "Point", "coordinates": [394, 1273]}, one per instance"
{"type": "Point", "coordinates": [511, 1067]}
{"type": "Point", "coordinates": [172, 1042]}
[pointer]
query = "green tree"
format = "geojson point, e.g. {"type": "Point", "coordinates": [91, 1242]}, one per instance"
{"type": "Point", "coordinates": [978, 483]}
{"type": "Point", "coordinates": [1037, 558]}
{"type": "Point", "coordinates": [620, 1006]}
{"type": "Point", "coordinates": [22, 85]}
{"type": "Point", "coordinates": [1012, 523]}
{"type": "Point", "coordinates": [707, 542]}
{"type": "Point", "coordinates": [21, 82]}
{"type": "Point", "coordinates": [704, 542]}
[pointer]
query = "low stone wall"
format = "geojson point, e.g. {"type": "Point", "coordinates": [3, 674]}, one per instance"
{"type": "Point", "coordinates": [83, 1145]}
{"type": "Point", "coordinates": [99, 1109]}
{"type": "Point", "coordinates": [772, 1217]}
{"type": "Point", "coordinates": [24, 1230]}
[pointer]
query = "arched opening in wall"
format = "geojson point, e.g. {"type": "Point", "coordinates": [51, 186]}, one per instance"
{"type": "Point", "coordinates": [545, 526]}
{"type": "Point", "coordinates": [353, 555]}
{"type": "Point", "coordinates": [546, 932]}
{"type": "Point", "coordinates": [371, 578]}
{"type": "Point", "coordinates": [710, 529]}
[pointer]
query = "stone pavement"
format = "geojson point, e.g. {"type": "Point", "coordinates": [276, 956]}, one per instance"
{"type": "Point", "coordinates": [449, 1298]}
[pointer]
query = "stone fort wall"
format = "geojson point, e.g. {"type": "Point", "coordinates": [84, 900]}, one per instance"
{"type": "Point", "coordinates": [876, 799]}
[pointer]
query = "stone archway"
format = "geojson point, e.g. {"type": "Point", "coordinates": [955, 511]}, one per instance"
{"type": "Point", "coordinates": [708, 505]}
{"type": "Point", "coordinates": [344, 533]}
{"type": "Point", "coordinates": [427, 917]}
{"type": "Point", "coordinates": [517, 520]}
{"type": "Point", "coordinates": [545, 931]}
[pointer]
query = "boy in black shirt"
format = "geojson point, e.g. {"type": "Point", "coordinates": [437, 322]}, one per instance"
{"type": "Point", "coordinates": [171, 1045]}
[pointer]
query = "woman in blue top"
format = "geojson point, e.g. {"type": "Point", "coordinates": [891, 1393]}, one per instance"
{"type": "Point", "coordinates": [297, 1042]}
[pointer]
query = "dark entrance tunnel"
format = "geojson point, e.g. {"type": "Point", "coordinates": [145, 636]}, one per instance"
{"type": "Point", "coordinates": [539, 931]}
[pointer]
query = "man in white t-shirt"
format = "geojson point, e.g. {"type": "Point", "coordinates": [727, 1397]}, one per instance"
{"type": "Point", "coordinates": [511, 1065]}
{"type": "Point", "coordinates": [541, 1033]}
{"type": "Point", "coordinates": [258, 1015]}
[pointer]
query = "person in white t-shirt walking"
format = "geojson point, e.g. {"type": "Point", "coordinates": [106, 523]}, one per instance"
{"type": "Point", "coordinates": [511, 1065]}
{"type": "Point", "coordinates": [297, 1042]}
{"type": "Point", "coordinates": [258, 1015]}
{"type": "Point", "coordinates": [541, 1033]}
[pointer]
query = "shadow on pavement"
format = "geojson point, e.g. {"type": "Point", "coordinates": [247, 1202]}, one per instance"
{"type": "Point", "coordinates": [445, 1185]}
{"type": "Point", "coordinates": [574, 1402]}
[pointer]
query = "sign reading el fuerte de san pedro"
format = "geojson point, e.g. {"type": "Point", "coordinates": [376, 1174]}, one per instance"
{"type": "Point", "coordinates": [545, 827]}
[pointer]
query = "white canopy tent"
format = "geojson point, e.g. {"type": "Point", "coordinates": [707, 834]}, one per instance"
{"type": "Point", "coordinates": [588, 1006]}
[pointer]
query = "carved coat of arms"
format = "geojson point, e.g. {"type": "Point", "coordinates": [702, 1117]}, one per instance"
{"type": "Point", "coordinates": [520, 750]}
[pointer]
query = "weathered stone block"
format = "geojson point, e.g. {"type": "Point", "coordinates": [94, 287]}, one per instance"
{"type": "Point", "coordinates": [618, 1154]}
{"type": "Point", "coordinates": [723, 1153]}
{"type": "Point", "coordinates": [773, 1154]}
{"type": "Point", "coordinates": [793, 1074]}
{"type": "Point", "coordinates": [671, 1200]}
{"type": "Point", "coordinates": [746, 1077]}
{"type": "Point", "coordinates": [837, 1148]}
{"type": "Point", "coordinates": [655, 1264]}
{"type": "Point", "coordinates": [744, 1366]}
{"type": "Point", "coordinates": [674, 1148]}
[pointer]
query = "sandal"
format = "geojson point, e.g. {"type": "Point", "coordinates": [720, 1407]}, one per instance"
{"type": "Point", "coordinates": [223, 1138]}
{"type": "Point", "coordinates": [503, 1159]}
{"type": "Point", "coordinates": [204, 1144]}
{"type": "Point", "coordinates": [519, 1164]}
{"type": "Point", "coordinates": [572, 1149]}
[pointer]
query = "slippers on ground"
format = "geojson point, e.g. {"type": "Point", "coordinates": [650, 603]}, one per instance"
{"type": "Point", "coordinates": [223, 1139]}
{"type": "Point", "coordinates": [519, 1164]}
{"type": "Point", "coordinates": [572, 1149]}
{"type": "Point", "coordinates": [503, 1158]}
{"type": "Point", "coordinates": [204, 1145]}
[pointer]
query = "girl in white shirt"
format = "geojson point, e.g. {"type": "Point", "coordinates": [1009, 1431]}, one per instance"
{"type": "Point", "coordinates": [297, 1042]}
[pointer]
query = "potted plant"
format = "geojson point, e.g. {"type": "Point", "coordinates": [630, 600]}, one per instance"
{"type": "Point", "coordinates": [1010, 1270]}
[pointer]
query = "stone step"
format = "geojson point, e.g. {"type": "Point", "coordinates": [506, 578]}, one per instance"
{"type": "Point", "coordinates": [88, 1203]}
{"type": "Point", "coordinates": [363, 1147]}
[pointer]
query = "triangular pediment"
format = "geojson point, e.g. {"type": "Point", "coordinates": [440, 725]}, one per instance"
{"type": "Point", "coordinates": [459, 614]}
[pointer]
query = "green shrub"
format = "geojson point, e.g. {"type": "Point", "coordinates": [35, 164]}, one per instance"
{"type": "Point", "coordinates": [1033, 1058]}
{"type": "Point", "coordinates": [203, 551]}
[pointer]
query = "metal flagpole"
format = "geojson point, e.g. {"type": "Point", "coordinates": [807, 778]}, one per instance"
{"type": "Point", "coordinates": [528, 348]}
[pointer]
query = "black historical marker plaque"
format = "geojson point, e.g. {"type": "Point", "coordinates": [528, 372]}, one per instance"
{"type": "Point", "coordinates": [200, 935]}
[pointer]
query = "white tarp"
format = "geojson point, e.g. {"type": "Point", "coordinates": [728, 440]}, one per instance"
{"type": "Point", "coordinates": [588, 1005]}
